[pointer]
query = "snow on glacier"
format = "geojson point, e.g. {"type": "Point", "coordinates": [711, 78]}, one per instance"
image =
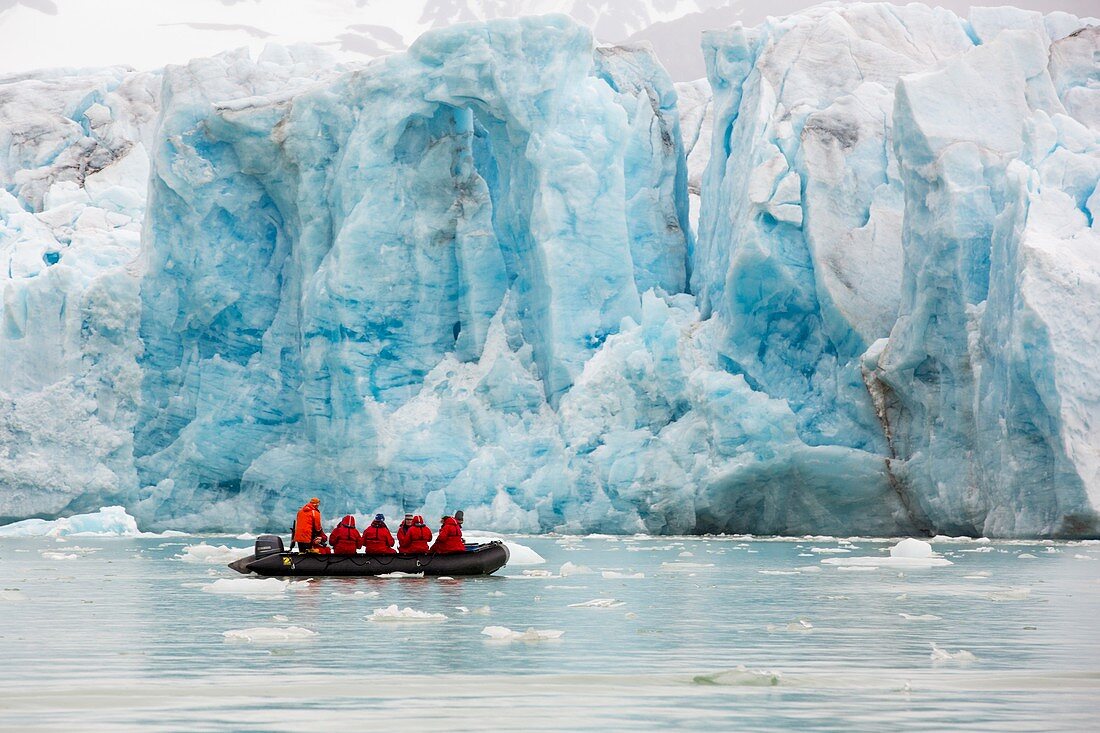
{"type": "Point", "coordinates": [469, 276]}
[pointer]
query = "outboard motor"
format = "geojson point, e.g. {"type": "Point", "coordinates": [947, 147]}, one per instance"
{"type": "Point", "coordinates": [268, 544]}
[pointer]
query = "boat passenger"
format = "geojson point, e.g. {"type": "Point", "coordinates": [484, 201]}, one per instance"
{"type": "Point", "coordinates": [414, 539]}
{"type": "Point", "coordinates": [307, 526]}
{"type": "Point", "coordinates": [449, 538]}
{"type": "Point", "coordinates": [345, 537]}
{"type": "Point", "coordinates": [377, 539]}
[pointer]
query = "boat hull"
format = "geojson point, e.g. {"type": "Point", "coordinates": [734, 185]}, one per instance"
{"type": "Point", "coordinates": [480, 560]}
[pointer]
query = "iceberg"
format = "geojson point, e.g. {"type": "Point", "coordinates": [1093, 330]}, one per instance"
{"type": "Point", "coordinates": [843, 286]}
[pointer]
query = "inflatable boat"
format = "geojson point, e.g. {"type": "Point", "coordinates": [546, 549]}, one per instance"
{"type": "Point", "coordinates": [270, 558]}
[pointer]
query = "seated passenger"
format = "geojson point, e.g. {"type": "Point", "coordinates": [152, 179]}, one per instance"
{"type": "Point", "coordinates": [377, 539]}
{"type": "Point", "coordinates": [307, 526]}
{"type": "Point", "coordinates": [449, 538]}
{"type": "Point", "coordinates": [345, 537]}
{"type": "Point", "coordinates": [414, 539]}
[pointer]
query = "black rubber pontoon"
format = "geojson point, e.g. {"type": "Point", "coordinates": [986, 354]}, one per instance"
{"type": "Point", "coordinates": [271, 559]}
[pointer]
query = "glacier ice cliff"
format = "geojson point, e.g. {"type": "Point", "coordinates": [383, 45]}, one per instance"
{"type": "Point", "coordinates": [845, 285]}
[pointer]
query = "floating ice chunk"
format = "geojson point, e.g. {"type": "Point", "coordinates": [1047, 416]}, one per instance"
{"type": "Point", "coordinates": [742, 676]}
{"type": "Point", "coordinates": [1026, 556]}
{"type": "Point", "coordinates": [940, 656]}
{"type": "Point", "coordinates": [247, 587]}
{"type": "Point", "coordinates": [1012, 594]}
{"type": "Point", "coordinates": [778, 572]}
{"type": "Point", "coordinates": [517, 554]}
{"type": "Point", "coordinates": [686, 567]}
{"type": "Point", "coordinates": [920, 617]}
{"type": "Point", "coordinates": [912, 548]}
{"type": "Point", "coordinates": [110, 521]}
{"type": "Point", "coordinates": [53, 555]}
{"type": "Point", "coordinates": [570, 569]}
{"type": "Point", "coordinates": [828, 550]}
{"type": "Point", "coordinates": [494, 594]}
{"type": "Point", "coordinates": [480, 611]}
{"type": "Point", "coordinates": [358, 594]}
{"type": "Point", "coordinates": [502, 633]}
{"type": "Point", "coordinates": [12, 594]}
{"type": "Point", "coordinates": [616, 575]}
{"type": "Point", "coordinates": [204, 554]}
{"type": "Point", "coordinates": [858, 568]}
{"type": "Point", "coordinates": [630, 616]}
{"type": "Point", "coordinates": [280, 618]}
{"type": "Point", "coordinates": [538, 574]}
{"type": "Point", "coordinates": [985, 548]}
{"type": "Point", "coordinates": [685, 553]}
{"type": "Point", "coordinates": [795, 626]}
{"type": "Point", "coordinates": [599, 603]}
{"type": "Point", "coordinates": [246, 536]}
{"type": "Point", "coordinates": [809, 569]}
{"type": "Point", "coordinates": [398, 574]}
{"type": "Point", "coordinates": [269, 634]}
{"type": "Point", "coordinates": [392, 614]}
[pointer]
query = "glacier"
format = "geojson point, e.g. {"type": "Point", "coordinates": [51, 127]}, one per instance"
{"type": "Point", "coordinates": [846, 285]}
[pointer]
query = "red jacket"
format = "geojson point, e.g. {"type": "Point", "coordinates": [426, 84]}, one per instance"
{"type": "Point", "coordinates": [377, 539]}
{"type": "Point", "coordinates": [414, 540]}
{"type": "Point", "coordinates": [345, 537]}
{"type": "Point", "coordinates": [308, 525]}
{"type": "Point", "coordinates": [449, 538]}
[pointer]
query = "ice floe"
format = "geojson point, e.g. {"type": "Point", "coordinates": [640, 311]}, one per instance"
{"type": "Point", "coordinates": [204, 554]}
{"type": "Point", "coordinates": [571, 569]}
{"type": "Point", "coordinates": [616, 575]}
{"type": "Point", "coordinates": [393, 614]}
{"type": "Point", "coordinates": [940, 656]}
{"type": "Point", "coordinates": [269, 634]}
{"type": "Point", "coordinates": [741, 676]}
{"type": "Point", "coordinates": [599, 603]}
{"type": "Point", "coordinates": [503, 633]}
{"type": "Point", "coordinates": [247, 587]}
{"type": "Point", "coordinates": [908, 553]}
{"type": "Point", "coordinates": [919, 617]}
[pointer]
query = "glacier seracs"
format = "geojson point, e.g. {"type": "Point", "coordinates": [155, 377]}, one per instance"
{"type": "Point", "coordinates": [470, 276]}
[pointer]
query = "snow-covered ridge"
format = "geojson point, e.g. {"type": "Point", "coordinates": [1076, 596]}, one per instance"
{"type": "Point", "coordinates": [469, 277]}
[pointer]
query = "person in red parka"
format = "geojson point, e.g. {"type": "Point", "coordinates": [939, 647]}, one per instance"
{"type": "Point", "coordinates": [413, 539]}
{"type": "Point", "coordinates": [307, 526]}
{"type": "Point", "coordinates": [449, 538]}
{"type": "Point", "coordinates": [345, 537]}
{"type": "Point", "coordinates": [377, 539]}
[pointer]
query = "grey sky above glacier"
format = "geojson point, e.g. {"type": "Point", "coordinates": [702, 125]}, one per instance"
{"type": "Point", "coordinates": [82, 33]}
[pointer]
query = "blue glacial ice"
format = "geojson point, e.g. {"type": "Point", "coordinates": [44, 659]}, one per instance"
{"type": "Point", "coordinates": [844, 286]}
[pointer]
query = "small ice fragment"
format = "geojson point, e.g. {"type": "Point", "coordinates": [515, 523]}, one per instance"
{"type": "Point", "coordinates": [400, 575]}
{"type": "Point", "coordinates": [920, 617]}
{"type": "Point", "coordinates": [778, 572]}
{"type": "Point", "coordinates": [615, 575]}
{"type": "Point", "coordinates": [742, 676]}
{"type": "Point", "coordinates": [809, 569]}
{"type": "Point", "coordinates": [858, 568]}
{"type": "Point", "coordinates": [538, 573]}
{"type": "Point", "coordinates": [684, 567]}
{"type": "Point", "coordinates": [1026, 556]}
{"type": "Point", "coordinates": [630, 615]}
{"type": "Point", "coordinates": [264, 634]}
{"type": "Point", "coordinates": [444, 577]}
{"type": "Point", "coordinates": [912, 548]}
{"type": "Point", "coordinates": [391, 613]}
{"type": "Point", "coordinates": [599, 603]}
{"type": "Point", "coordinates": [494, 593]}
{"type": "Point", "coordinates": [828, 550]}
{"type": "Point", "coordinates": [502, 633]}
{"type": "Point", "coordinates": [280, 618]}
{"type": "Point", "coordinates": [12, 594]}
{"type": "Point", "coordinates": [571, 569]}
{"type": "Point", "coordinates": [247, 587]}
{"type": "Point", "coordinates": [50, 555]}
{"type": "Point", "coordinates": [685, 553]}
{"type": "Point", "coordinates": [940, 656]}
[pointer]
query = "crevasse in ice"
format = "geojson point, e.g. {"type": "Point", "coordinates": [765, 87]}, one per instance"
{"type": "Point", "coordinates": [466, 277]}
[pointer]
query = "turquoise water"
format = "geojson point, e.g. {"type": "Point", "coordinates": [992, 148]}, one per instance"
{"type": "Point", "coordinates": [118, 634]}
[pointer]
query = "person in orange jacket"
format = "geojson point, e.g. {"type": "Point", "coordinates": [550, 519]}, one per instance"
{"type": "Point", "coordinates": [377, 539]}
{"type": "Point", "coordinates": [449, 538]}
{"type": "Point", "coordinates": [345, 537]}
{"type": "Point", "coordinates": [413, 538]}
{"type": "Point", "coordinates": [308, 532]}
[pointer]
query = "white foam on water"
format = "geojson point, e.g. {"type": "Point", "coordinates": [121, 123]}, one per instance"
{"type": "Point", "coordinates": [941, 656]}
{"type": "Point", "coordinates": [204, 554]}
{"type": "Point", "coordinates": [616, 575]}
{"type": "Point", "coordinates": [778, 572]}
{"type": "Point", "coordinates": [392, 614]}
{"type": "Point", "coordinates": [599, 603]}
{"type": "Point", "coordinates": [920, 617]}
{"type": "Point", "coordinates": [269, 634]}
{"type": "Point", "coordinates": [247, 587]}
{"type": "Point", "coordinates": [398, 574]}
{"type": "Point", "coordinates": [795, 626]}
{"type": "Point", "coordinates": [503, 633]}
{"type": "Point", "coordinates": [357, 594]}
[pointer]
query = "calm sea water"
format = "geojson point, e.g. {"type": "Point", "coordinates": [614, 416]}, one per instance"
{"type": "Point", "coordinates": [719, 634]}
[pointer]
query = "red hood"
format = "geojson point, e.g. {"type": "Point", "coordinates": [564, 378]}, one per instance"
{"type": "Point", "coordinates": [450, 521]}
{"type": "Point", "coordinates": [348, 521]}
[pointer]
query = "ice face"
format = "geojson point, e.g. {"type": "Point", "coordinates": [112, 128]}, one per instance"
{"type": "Point", "coordinates": [466, 277]}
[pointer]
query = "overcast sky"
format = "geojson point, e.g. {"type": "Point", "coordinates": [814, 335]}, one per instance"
{"type": "Point", "coordinates": [150, 33]}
